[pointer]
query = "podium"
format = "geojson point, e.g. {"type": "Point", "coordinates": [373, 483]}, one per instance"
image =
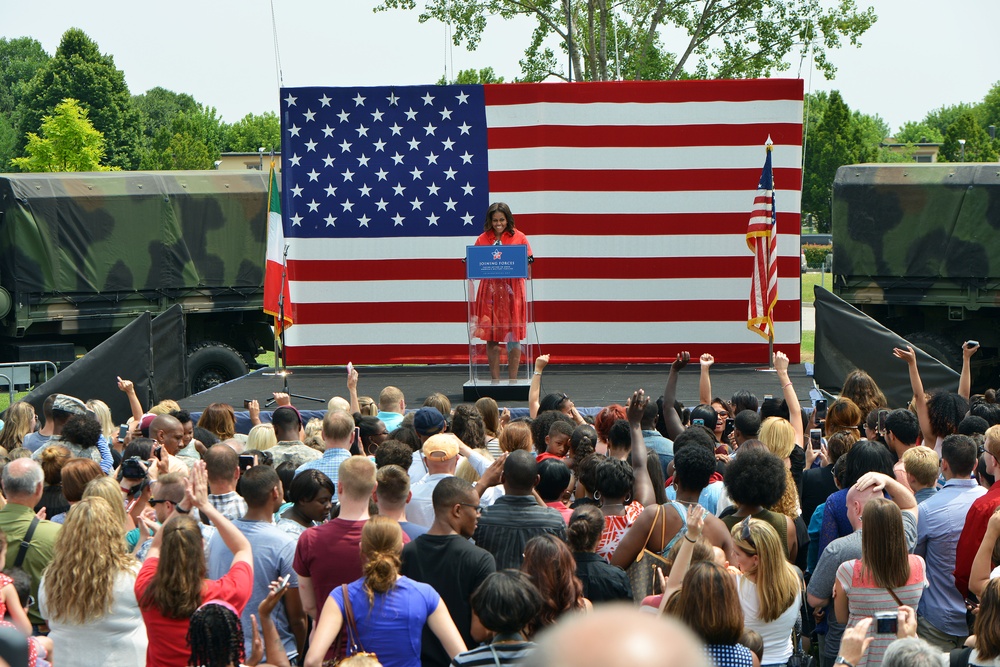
{"type": "Point", "coordinates": [500, 321]}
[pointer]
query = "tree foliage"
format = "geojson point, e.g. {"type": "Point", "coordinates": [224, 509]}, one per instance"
{"type": "Point", "coordinates": [978, 147]}
{"type": "Point", "coordinates": [68, 142]}
{"type": "Point", "coordinates": [20, 59]}
{"type": "Point", "coordinates": [192, 140]}
{"type": "Point", "coordinates": [253, 132]}
{"type": "Point", "coordinates": [709, 38]}
{"type": "Point", "coordinates": [913, 132]}
{"type": "Point", "coordinates": [79, 71]}
{"type": "Point", "coordinates": [838, 139]}
{"type": "Point", "coordinates": [473, 76]}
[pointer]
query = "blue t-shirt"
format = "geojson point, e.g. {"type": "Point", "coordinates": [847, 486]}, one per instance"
{"type": "Point", "coordinates": [393, 626]}
{"type": "Point", "coordinates": [273, 553]}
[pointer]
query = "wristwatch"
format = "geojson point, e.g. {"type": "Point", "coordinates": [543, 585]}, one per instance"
{"type": "Point", "coordinates": [188, 511]}
{"type": "Point", "coordinates": [841, 661]}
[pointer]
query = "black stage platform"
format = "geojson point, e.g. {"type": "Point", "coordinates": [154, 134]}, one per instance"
{"type": "Point", "coordinates": [589, 386]}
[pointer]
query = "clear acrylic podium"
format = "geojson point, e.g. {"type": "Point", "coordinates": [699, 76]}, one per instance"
{"type": "Point", "coordinates": [500, 320]}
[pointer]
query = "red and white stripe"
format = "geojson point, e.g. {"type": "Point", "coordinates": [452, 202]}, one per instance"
{"type": "Point", "coordinates": [634, 196]}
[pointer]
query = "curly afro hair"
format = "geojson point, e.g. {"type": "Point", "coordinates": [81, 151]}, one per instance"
{"type": "Point", "coordinates": [756, 477]}
{"type": "Point", "coordinates": [946, 411]}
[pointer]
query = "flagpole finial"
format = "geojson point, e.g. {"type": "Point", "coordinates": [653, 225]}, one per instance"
{"type": "Point", "coordinates": [769, 144]}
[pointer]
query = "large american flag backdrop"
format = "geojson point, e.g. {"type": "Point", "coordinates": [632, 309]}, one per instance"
{"type": "Point", "coordinates": [634, 195]}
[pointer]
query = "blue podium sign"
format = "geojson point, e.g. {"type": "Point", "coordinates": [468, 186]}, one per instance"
{"type": "Point", "coordinates": [496, 261]}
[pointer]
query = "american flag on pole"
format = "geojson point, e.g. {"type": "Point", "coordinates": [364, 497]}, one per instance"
{"type": "Point", "coordinates": [275, 284]}
{"type": "Point", "coordinates": [632, 194]}
{"type": "Point", "coordinates": [762, 238]}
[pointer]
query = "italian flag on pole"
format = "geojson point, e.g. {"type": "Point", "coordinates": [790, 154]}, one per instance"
{"type": "Point", "coordinates": [275, 281]}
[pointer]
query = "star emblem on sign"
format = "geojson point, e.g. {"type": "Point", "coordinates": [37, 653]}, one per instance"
{"type": "Point", "coordinates": [497, 254]}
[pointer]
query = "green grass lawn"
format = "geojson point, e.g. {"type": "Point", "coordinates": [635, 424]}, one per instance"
{"type": "Point", "coordinates": [810, 280]}
{"type": "Point", "coordinates": [808, 345]}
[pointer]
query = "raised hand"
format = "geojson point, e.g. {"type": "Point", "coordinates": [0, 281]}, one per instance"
{"type": "Point", "coordinates": [541, 362]}
{"type": "Point", "coordinates": [907, 355]}
{"type": "Point", "coordinates": [636, 406]}
{"type": "Point", "coordinates": [681, 361]}
{"type": "Point", "coordinates": [707, 359]}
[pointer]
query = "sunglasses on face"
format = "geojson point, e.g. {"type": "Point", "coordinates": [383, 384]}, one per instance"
{"type": "Point", "coordinates": [153, 502]}
{"type": "Point", "coordinates": [478, 508]}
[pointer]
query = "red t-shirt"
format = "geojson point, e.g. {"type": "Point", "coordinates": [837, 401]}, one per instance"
{"type": "Point", "coordinates": [544, 456]}
{"type": "Point", "coordinates": [168, 645]}
{"type": "Point", "coordinates": [330, 555]}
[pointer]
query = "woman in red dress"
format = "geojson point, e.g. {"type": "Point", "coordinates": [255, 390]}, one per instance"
{"type": "Point", "coordinates": [501, 305]}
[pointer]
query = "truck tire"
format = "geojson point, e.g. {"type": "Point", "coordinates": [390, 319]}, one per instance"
{"type": "Point", "coordinates": [212, 363]}
{"type": "Point", "coordinates": [939, 347]}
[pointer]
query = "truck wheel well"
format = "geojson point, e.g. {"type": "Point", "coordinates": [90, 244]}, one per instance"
{"type": "Point", "coordinates": [212, 363]}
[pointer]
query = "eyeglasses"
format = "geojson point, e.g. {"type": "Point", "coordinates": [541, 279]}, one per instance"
{"type": "Point", "coordinates": [745, 534]}
{"type": "Point", "coordinates": [478, 508]}
{"type": "Point", "coordinates": [153, 502]}
{"type": "Point", "coordinates": [31, 601]}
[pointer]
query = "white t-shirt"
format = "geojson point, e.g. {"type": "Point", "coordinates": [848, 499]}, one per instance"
{"type": "Point", "coordinates": [777, 634]}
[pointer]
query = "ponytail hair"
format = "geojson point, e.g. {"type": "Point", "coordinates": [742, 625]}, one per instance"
{"type": "Point", "coordinates": [381, 546]}
{"type": "Point", "coordinates": [584, 529]}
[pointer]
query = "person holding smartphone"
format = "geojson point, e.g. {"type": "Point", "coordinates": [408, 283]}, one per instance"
{"type": "Point", "coordinates": [501, 313]}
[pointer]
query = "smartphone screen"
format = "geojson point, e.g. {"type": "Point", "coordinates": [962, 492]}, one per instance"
{"type": "Point", "coordinates": [122, 432]}
{"type": "Point", "coordinates": [246, 461]}
{"type": "Point", "coordinates": [697, 422]}
{"type": "Point", "coordinates": [820, 408]}
{"type": "Point", "coordinates": [816, 439]}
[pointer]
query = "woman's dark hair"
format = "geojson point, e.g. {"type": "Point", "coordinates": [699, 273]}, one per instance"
{"type": "Point", "coordinates": [215, 636]}
{"type": "Point", "coordinates": [620, 435]}
{"type": "Point", "coordinates": [503, 208]}
{"type": "Point", "coordinates": [550, 565]}
{"type": "Point", "coordinates": [307, 484]}
{"type": "Point", "coordinates": [743, 400]}
{"type": "Point", "coordinates": [987, 624]}
{"type": "Point", "coordinates": [286, 473]}
{"type": "Point", "coordinates": [506, 601]}
{"type": "Point", "coordinates": [205, 437]}
{"type": "Point", "coordinates": [840, 472]}
{"type": "Point", "coordinates": [553, 479]}
{"type": "Point", "coordinates": [584, 529]}
{"type": "Point", "coordinates": [583, 441]}
{"type": "Point", "coordinates": [719, 621]}
{"type": "Point", "coordinates": [82, 430]}
{"type": "Point", "coordinates": [407, 435]}
{"type": "Point", "coordinates": [540, 427]}
{"type": "Point", "coordinates": [76, 473]}
{"type": "Point", "coordinates": [988, 411]}
{"type": "Point", "coordinates": [866, 456]}
{"type": "Point", "coordinates": [614, 479]}
{"type": "Point", "coordinates": [368, 426]}
{"type": "Point", "coordinates": [655, 471]}
{"type": "Point", "coordinates": [946, 411]}
{"type": "Point", "coordinates": [755, 477]}
{"type": "Point", "coordinates": [468, 425]}
{"type": "Point", "coordinates": [551, 402]}
{"type": "Point", "coordinates": [586, 471]}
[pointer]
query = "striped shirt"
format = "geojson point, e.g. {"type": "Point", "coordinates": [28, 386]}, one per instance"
{"type": "Point", "coordinates": [494, 654]}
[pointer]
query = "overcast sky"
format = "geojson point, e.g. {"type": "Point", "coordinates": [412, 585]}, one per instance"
{"type": "Point", "coordinates": [921, 54]}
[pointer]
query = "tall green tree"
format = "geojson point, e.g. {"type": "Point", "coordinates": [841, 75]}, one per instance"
{"type": "Point", "coordinates": [20, 59]}
{"type": "Point", "coordinates": [79, 71]}
{"type": "Point", "coordinates": [988, 111]}
{"type": "Point", "coordinates": [158, 106]}
{"type": "Point", "coordinates": [193, 140]}
{"type": "Point", "coordinates": [940, 119]}
{"type": "Point", "coordinates": [708, 38]}
{"type": "Point", "coordinates": [68, 142]}
{"type": "Point", "coordinates": [836, 141]}
{"type": "Point", "coordinates": [252, 132]}
{"type": "Point", "coordinates": [978, 147]}
{"type": "Point", "coordinates": [913, 132]}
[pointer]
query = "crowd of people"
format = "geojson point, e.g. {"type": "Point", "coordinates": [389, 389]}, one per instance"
{"type": "Point", "coordinates": [737, 532]}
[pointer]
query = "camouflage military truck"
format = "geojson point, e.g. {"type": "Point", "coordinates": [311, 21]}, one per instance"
{"type": "Point", "coordinates": [917, 247]}
{"type": "Point", "coordinates": [81, 254]}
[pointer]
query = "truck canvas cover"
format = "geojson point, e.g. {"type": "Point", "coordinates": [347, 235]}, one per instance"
{"type": "Point", "coordinates": [102, 233]}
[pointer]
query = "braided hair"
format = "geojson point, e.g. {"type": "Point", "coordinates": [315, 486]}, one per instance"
{"type": "Point", "coordinates": [215, 636]}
